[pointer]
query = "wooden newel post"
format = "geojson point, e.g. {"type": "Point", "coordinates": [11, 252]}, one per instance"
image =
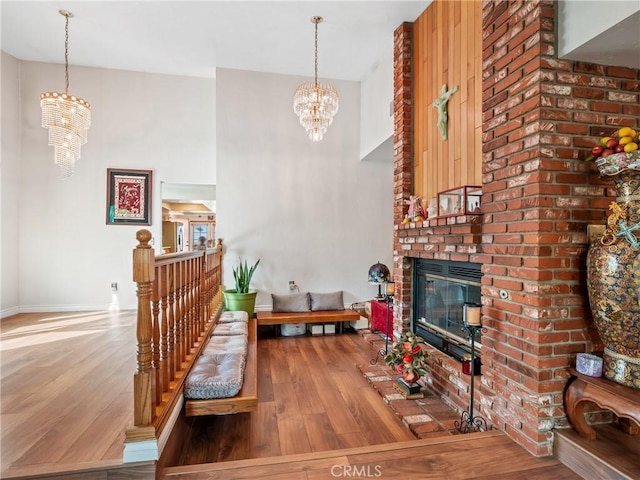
{"type": "Point", "coordinates": [143, 275]}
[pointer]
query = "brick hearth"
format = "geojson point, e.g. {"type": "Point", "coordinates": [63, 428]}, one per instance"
{"type": "Point", "coordinates": [426, 417]}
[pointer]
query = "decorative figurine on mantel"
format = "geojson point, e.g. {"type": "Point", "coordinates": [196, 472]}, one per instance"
{"type": "Point", "coordinates": [416, 212]}
{"type": "Point", "coordinates": [441, 104]}
{"type": "Point", "coordinates": [432, 209]}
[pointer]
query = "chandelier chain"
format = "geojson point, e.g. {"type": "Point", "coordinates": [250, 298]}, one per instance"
{"type": "Point", "coordinates": [66, 55]}
{"type": "Point", "coordinates": [316, 56]}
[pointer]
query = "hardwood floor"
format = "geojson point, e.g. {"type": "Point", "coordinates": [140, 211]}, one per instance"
{"type": "Point", "coordinates": [482, 456]}
{"type": "Point", "coordinates": [66, 400]}
{"type": "Point", "coordinates": [311, 399]}
{"type": "Point", "coordinates": [66, 395]}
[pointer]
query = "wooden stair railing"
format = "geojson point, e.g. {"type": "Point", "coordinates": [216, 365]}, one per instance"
{"type": "Point", "coordinates": [179, 301]}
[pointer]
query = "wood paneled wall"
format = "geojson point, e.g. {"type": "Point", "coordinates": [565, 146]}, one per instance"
{"type": "Point", "coordinates": [448, 49]}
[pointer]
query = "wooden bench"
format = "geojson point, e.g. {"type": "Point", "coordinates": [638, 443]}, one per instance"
{"type": "Point", "coordinates": [321, 316]}
{"type": "Point", "coordinates": [247, 399]}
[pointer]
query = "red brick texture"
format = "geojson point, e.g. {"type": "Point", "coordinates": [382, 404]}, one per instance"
{"type": "Point", "coordinates": [541, 115]}
{"type": "Point", "coordinates": [403, 166]}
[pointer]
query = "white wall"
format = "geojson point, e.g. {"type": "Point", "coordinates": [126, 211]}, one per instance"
{"type": "Point", "coordinates": [376, 96]}
{"type": "Point", "coordinates": [312, 212]}
{"type": "Point", "coordinates": [9, 181]}
{"type": "Point", "coordinates": [599, 31]}
{"type": "Point", "coordinates": [68, 256]}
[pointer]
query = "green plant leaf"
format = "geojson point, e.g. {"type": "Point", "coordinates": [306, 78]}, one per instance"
{"type": "Point", "coordinates": [242, 275]}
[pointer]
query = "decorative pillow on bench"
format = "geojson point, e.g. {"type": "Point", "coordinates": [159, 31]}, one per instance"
{"type": "Point", "coordinates": [294, 302]}
{"type": "Point", "coordinates": [326, 301]}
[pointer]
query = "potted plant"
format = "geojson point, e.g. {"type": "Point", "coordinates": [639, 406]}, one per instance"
{"type": "Point", "coordinates": [408, 359]}
{"type": "Point", "coordinates": [241, 297]}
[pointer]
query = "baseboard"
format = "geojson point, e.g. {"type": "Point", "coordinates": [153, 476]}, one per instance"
{"type": "Point", "coordinates": [8, 312]}
{"type": "Point", "coordinates": [72, 308]}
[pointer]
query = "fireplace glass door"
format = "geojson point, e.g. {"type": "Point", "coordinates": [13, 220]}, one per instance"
{"type": "Point", "coordinates": [440, 291]}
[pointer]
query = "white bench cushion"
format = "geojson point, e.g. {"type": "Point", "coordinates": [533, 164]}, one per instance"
{"type": "Point", "coordinates": [215, 376]}
{"type": "Point", "coordinates": [233, 328]}
{"type": "Point", "coordinates": [226, 343]}
{"type": "Point", "coordinates": [235, 316]}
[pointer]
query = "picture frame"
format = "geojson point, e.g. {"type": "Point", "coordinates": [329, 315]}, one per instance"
{"type": "Point", "coordinates": [129, 196]}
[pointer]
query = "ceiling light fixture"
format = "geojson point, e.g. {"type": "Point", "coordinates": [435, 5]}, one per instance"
{"type": "Point", "coordinates": [315, 103]}
{"type": "Point", "coordinates": [67, 117]}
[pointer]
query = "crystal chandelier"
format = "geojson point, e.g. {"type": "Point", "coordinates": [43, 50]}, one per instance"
{"type": "Point", "coordinates": [67, 117]}
{"type": "Point", "coordinates": [315, 103]}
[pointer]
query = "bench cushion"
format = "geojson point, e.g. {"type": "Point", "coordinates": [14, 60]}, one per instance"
{"type": "Point", "coordinates": [232, 328]}
{"type": "Point", "coordinates": [326, 301]}
{"type": "Point", "coordinates": [215, 376]}
{"type": "Point", "coordinates": [294, 302]}
{"type": "Point", "coordinates": [234, 316]}
{"type": "Point", "coordinates": [226, 343]}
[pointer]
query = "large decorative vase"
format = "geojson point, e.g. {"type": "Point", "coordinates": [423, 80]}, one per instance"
{"type": "Point", "coordinates": [613, 272]}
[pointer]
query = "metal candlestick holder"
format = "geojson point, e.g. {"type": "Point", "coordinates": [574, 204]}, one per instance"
{"type": "Point", "coordinates": [468, 421]}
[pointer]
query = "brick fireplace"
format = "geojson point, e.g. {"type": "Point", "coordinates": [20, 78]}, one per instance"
{"type": "Point", "coordinates": [539, 115]}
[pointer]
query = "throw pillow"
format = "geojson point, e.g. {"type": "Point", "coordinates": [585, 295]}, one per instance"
{"type": "Point", "coordinates": [295, 302]}
{"type": "Point", "coordinates": [326, 301]}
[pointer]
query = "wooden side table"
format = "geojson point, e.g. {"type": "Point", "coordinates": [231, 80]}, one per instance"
{"type": "Point", "coordinates": [621, 400]}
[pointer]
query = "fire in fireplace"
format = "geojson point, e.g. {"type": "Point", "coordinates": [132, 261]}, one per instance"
{"type": "Point", "coordinates": [440, 291]}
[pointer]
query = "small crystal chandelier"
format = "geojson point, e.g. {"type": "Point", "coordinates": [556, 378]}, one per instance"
{"type": "Point", "coordinates": [67, 117]}
{"type": "Point", "coordinates": [315, 103]}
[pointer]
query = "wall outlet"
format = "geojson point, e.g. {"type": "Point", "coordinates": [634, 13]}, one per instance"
{"type": "Point", "coordinates": [292, 285]}
{"type": "Point", "coordinates": [114, 286]}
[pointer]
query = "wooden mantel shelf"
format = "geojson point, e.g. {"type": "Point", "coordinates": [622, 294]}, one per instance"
{"type": "Point", "coordinates": [622, 401]}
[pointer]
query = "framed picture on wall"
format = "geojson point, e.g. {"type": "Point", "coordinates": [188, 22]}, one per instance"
{"type": "Point", "coordinates": [128, 197]}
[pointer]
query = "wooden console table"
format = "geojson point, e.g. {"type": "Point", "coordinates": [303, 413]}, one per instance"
{"type": "Point", "coordinates": [621, 400]}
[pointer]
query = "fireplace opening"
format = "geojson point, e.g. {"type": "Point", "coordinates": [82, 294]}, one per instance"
{"type": "Point", "coordinates": [440, 290]}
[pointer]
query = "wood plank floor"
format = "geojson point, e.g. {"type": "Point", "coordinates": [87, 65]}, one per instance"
{"type": "Point", "coordinates": [482, 456]}
{"type": "Point", "coordinates": [311, 398]}
{"type": "Point", "coordinates": [66, 390]}
{"type": "Point", "coordinates": [66, 399]}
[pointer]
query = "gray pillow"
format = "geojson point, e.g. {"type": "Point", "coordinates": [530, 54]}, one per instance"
{"type": "Point", "coordinates": [326, 301]}
{"type": "Point", "coordinates": [295, 302]}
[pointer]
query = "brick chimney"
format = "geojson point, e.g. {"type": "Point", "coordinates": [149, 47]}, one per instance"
{"type": "Point", "coordinates": [540, 117]}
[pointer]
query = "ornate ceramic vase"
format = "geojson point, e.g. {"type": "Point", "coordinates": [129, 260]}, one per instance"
{"type": "Point", "coordinates": [613, 272]}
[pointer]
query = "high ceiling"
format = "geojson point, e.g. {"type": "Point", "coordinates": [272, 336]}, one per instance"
{"type": "Point", "coordinates": [192, 38]}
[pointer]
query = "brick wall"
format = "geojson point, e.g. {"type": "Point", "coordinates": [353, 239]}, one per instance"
{"type": "Point", "coordinates": [403, 167]}
{"type": "Point", "coordinates": [540, 116]}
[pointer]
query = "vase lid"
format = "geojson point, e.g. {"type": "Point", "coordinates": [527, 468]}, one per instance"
{"type": "Point", "coordinates": [618, 162]}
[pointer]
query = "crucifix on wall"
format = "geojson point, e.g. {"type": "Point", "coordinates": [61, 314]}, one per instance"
{"type": "Point", "coordinates": [441, 104]}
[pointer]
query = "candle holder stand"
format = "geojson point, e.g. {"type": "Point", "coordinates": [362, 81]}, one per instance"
{"type": "Point", "coordinates": [383, 351]}
{"type": "Point", "coordinates": [468, 421]}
